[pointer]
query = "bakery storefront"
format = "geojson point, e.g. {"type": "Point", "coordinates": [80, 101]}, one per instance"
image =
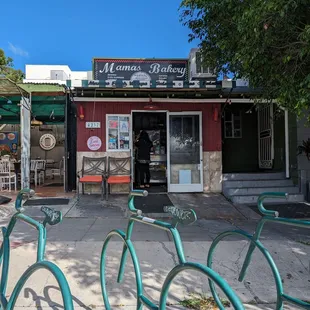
{"type": "Point", "coordinates": [180, 116]}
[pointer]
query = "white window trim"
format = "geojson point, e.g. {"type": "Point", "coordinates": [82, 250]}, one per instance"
{"type": "Point", "coordinates": [107, 132]}
{"type": "Point", "coordinates": [203, 69]}
{"type": "Point", "coordinates": [233, 126]}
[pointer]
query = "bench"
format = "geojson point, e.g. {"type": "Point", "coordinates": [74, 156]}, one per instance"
{"type": "Point", "coordinates": [94, 171]}
{"type": "Point", "coordinates": [119, 172]}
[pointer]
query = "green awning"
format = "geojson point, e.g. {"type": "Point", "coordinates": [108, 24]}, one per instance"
{"type": "Point", "coordinates": [9, 88]}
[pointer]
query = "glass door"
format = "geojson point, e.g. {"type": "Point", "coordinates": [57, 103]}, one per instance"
{"type": "Point", "coordinates": [184, 167]}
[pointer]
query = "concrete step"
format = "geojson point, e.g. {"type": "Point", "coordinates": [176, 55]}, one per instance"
{"type": "Point", "coordinates": [258, 190]}
{"type": "Point", "coordinates": [252, 199]}
{"type": "Point", "coordinates": [253, 176]}
{"type": "Point", "coordinates": [258, 183]}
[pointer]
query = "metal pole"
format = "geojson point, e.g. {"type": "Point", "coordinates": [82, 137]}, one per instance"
{"type": "Point", "coordinates": [25, 125]}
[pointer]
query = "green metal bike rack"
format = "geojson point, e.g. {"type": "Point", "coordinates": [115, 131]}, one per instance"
{"type": "Point", "coordinates": [268, 216]}
{"type": "Point", "coordinates": [179, 216]}
{"type": "Point", "coordinates": [51, 217]}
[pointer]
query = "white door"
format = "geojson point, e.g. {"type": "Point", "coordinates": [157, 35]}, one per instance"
{"type": "Point", "coordinates": [265, 137]}
{"type": "Point", "coordinates": [184, 156]}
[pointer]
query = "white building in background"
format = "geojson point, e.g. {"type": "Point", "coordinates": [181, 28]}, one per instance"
{"type": "Point", "coordinates": [58, 74]}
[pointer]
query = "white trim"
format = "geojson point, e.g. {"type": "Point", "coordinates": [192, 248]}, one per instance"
{"type": "Point", "coordinates": [287, 145]}
{"type": "Point", "coordinates": [107, 132]}
{"type": "Point", "coordinates": [177, 188]}
{"type": "Point", "coordinates": [154, 100]}
{"type": "Point", "coordinates": [132, 141]}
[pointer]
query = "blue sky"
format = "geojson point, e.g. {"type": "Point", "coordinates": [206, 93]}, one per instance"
{"type": "Point", "coordinates": [73, 31]}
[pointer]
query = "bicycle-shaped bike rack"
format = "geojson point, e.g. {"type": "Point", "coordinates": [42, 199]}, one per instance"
{"type": "Point", "coordinates": [179, 216]}
{"type": "Point", "coordinates": [269, 216]}
{"type": "Point", "coordinates": [52, 218]}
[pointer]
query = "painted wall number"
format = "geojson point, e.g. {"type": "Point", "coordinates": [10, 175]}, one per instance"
{"type": "Point", "coordinates": [92, 125]}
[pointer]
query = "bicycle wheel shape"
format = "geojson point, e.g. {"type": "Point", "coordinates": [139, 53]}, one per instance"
{"type": "Point", "coordinates": [57, 273]}
{"type": "Point", "coordinates": [210, 274]}
{"type": "Point", "coordinates": [127, 247]}
{"type": "Point", "coordinates": [254, 244]}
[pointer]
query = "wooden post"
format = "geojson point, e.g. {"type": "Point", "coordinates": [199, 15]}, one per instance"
{"type": "Point", "coordinates": [25, 125]}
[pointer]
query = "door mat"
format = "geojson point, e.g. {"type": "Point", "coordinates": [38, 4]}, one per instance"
{"type": "Point", "coordinates": [54, 185]}
{"type": "Point", "coordinates": [154, 189]}
{"type": "Point", "coordinates": [47, 202]}
{"type": "Point", "coordinates": [153, 203]}
{"type": "Point", "coordinates": [4, 200]}
{"type": "Point", "coordinates": [290, 210]}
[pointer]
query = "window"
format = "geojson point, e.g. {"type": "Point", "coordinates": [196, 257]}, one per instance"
{"type": "Point", "coordinates": [232, 125]}
{"type": "Point", "coordinates": [200, 65]}
{"type": "Point", "coordinates": [118, 132]}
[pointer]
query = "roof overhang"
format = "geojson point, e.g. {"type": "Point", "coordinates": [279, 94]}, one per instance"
{"type": "Point", "coordinates": [10, 88]}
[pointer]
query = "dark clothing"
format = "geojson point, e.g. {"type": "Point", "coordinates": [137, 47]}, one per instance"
{"type": "Point", "coordinates": [143, 149]}
{"type": "Point", "coordinates": [143, 157]}
{"type": "Point", "coordinates": [144, 173]}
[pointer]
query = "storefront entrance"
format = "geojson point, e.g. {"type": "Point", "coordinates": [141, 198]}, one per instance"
{"type": "Point", "coordinates": [185, 163]}
{"type": "Point", "coordinates": [176, 158]}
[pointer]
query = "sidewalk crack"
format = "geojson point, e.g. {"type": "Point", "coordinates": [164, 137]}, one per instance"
{"type": "Point", "coordinates": [173, 255]}
{"type": "Point", "coordinates": [90, 227]}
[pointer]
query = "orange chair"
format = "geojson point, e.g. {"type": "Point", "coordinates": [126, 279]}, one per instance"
{"type": "Point", "coordinates": [119, 172]}
{"type": "Point", "coordinates": [94, 171]}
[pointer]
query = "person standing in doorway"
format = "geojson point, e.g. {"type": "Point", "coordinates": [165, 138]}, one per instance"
{"type": "Point", "coordinates": [144, 145]}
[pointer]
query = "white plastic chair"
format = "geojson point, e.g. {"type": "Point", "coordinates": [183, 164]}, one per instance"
{"type": "Point", "coordinates": [39, 172]}
{"type": "Point", "coordinates": [58, 171]}
{"type": "Point", "coordinates": [7, 176]}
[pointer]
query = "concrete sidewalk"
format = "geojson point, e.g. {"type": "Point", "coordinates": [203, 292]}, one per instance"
{"type": "Point", "coordinates": [75, 246]}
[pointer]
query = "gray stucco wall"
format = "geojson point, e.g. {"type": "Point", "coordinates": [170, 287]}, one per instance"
{"type": "Point", "coordinates": [303, 133]}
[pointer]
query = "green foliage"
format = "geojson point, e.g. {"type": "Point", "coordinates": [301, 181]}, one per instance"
{"type": "Point", "coordinates": [201, 302]}
{"type": "Point", "coordinates": [304, 148]}
{"type": "Point", "coordinates": [266, 42]}
{"type": "Point", "coordinates": [6, 68]}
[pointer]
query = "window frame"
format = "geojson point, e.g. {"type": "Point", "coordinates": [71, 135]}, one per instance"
{"type": "Point", "coordinates": [232, 122]}
{"type": "Point", "coordinates": [199, 64]}
{"type": "Point", "coordinates": [107, 132]}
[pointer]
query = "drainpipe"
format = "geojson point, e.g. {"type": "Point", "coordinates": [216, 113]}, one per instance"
{"type": "Point", "coordinates": [287, 146]}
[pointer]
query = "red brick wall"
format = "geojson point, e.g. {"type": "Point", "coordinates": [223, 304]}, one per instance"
{"type": "Point", "coordinates": [96, 112]}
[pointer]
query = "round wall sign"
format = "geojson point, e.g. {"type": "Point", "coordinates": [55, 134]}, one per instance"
{"type": "Point", "coordinates": [94, 143]}
{"type": "Point", "coordinates": [47, 142]}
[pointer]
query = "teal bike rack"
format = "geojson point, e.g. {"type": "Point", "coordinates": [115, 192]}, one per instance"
{"type": "Point", "coordinates": [268, 216]}
{"type": "Point", "coordinates": [52, 218]}
{"type": "Point", "coordinates": [179, 216]}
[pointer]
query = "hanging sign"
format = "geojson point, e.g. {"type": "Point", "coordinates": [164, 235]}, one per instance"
{"type": "Point", "coordinates": [94, 143]}
{"type": "Point", "coordinates": [47, 142]}
{"type": "Point", "coordinates": [92, 124]}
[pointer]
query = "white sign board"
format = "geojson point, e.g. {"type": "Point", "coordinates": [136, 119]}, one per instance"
{"type": "Point", "coordinates": [92, 125]}
{"type": "Point", "coordinates": [94, 143]}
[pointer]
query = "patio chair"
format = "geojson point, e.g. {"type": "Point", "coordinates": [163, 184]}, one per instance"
{"type": "Point", "coordinates": [37, 171]}
{"type": "Point", "coordinates": [119, 172]}
{"type": "Point", "coordinates": [7, 176]}
{"type": "Point", "coordinates": [58, 171]}
{"type": "Point", "coordinates": [40, 171]}
{"type": "Point", "coordinates": [94, 171]}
